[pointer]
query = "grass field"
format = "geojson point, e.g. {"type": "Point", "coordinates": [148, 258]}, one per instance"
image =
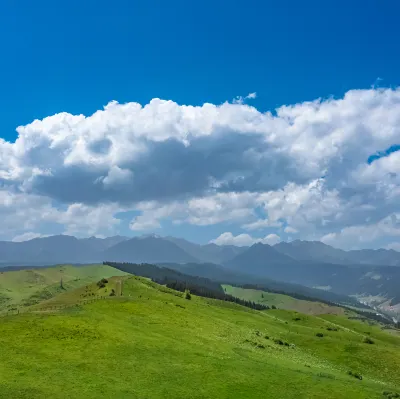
{"type": "Point", "coordinates": [152, 343]}
{"type": "Point", "coordinates": [283, 301]}
{"type": "Point", "coordinates": [19, 289]}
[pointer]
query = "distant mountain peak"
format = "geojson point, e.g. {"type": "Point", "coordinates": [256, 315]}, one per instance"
{"type": "Point", "coordinates": [152, 235]}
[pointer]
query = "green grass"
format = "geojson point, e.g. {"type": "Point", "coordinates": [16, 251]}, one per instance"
{"type": "Point", "coordinates": [283, 301]}
{"type": "Point", "coordinates": [152, 343]}
{"type": "Point", "coordinates": [22, 288]}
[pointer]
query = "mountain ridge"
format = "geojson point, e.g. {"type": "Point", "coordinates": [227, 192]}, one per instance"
{"type": "Point", "coordinates": [67, 248]}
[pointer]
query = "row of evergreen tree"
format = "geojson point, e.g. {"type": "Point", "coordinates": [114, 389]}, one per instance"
{"type": "Point", "coordinates": [179, 281]}
{"type": "Point", "coordinates": [205, 292]}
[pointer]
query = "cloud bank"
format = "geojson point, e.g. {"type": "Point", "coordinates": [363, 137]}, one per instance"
{"type": "Point", "coordinates": [303, 171]}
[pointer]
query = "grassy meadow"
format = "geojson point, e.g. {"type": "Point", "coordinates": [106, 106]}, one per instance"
{"type": "Point", "coordinates": [22, 288]}
{"type": "Point", "coordinates": [283, 301]}
{"type": "Point", "coordinates": [152, 343]}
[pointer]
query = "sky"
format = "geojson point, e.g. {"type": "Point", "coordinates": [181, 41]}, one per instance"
{"type": "Point", "coordinates": [216, 121]}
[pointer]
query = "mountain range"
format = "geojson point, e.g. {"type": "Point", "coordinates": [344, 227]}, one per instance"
{"type": "Point", "coordinates": [373, 275]}
{"type": "Point", "coordinates": [152, 248]}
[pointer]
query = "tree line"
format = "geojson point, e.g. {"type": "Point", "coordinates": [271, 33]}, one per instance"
{"type": "Point", "coordinates": [204, 292]}
{"type": "Point", "coordinates": [180, 282]}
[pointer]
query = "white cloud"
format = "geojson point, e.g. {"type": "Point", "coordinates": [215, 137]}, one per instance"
{"type": "Point", "coordinates": [290, 230]}
{"type": "Point", "coordinates": [117, 176]}
{"type": "Point", "coordinates": [305, 166]}
{"type": "Point", "coordinates": [251, 96]}
{"type": "Point", "coordinates": [271, 239]}
{"type": "Point", "coordinates": [27, 236]}
{"type": "Point", "coordinates": [80, 218]}
{"type": "Point", "coordinates": [242, 240]}
{"type": "Point", "coordinates": [201, 211]}
{"type": "Point", "coordinates": [261, 224]}
{"type": "Point", "coordinates": [362, 235]}
{"type": "Point", "coordinates": [241, 99]}
{"type": "Point", "coordinates": [393, 245]}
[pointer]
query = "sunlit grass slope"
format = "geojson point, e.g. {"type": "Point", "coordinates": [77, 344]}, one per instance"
{"type": "Point", "coordinates": [283, 301]}
{"type": "Point", "coordinates": [22, 288]}
{"type": "Point", "coordinates": [151, 343]}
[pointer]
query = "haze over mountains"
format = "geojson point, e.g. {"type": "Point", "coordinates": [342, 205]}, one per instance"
{"type": "Point", "coordinates": [373, 275]}
{"type": "Point", "coordinates": [152, 248]}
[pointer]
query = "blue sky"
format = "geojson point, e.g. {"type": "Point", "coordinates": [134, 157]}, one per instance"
{"type": "Point", "coordinates": [76, 57]}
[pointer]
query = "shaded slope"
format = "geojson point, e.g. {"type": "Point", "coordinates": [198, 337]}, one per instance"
{"type": "Point", "coordinates": [209, 253]}
{"type": "Point", "coordinates": [147, 250]}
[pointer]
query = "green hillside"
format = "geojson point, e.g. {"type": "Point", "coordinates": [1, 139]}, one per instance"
{"type": "Point", "coordinates": [152, 343]}
{"type": "Point", "coordinates": [283, 301]}
{"type": "Point", "coordinates": [21, 288]}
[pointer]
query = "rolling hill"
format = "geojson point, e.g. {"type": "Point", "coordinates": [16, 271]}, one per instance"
{"type": "Point", "coordinates": [22, 288]}
{"type": "Point", "coordinates": [150, 342]}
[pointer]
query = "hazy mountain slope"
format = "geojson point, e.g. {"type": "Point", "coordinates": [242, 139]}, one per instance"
{"type": "Point", "coordinates": [320, 252]}
{"type": "Point", "coordinates": [53, 249]}
{"type": "Point", "coordinates": [207, 253]}
{"type": "Point", "coordinates": [223, 253]}
{"type": "Point", "coordinates": [261, 260]}
{"type": "Point", "coordinates": [386, 257]}
{"type": "Point", "coordinates": [147, 250]}
{"type": "Point", "coordinates": [228, 276]}
{"type": "Point", "coordinates": [101, 244]}
{"type": "Point", "coordinates": [313, 251]}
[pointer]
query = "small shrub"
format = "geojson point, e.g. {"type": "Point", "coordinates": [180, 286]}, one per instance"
{"type": "Point", "coordinates": [278, 341]}
{"type": "Point", "coordinates": [391, 395]}
{"type": "Point", "coordinates": [319, 335]}
{"type": "Point", "coordinates": [187, 295]}
{"type": "Point", "coordinates": [273, 307]}
{"type": "Point", "coordinates": [257, 332]}
{"type": "Point", "coordinates": [112, 293]}
{"type": "Point", "coordinates": [332, 328]}
{"type": "Point", "coordinates": [261, 346]}
{"type": "Point", "coordinates": [355, 375]}
{"type": "Point", "coordinates": [297, 319]}
{"type": "Point", "coordinates": [266, 336]}
{"type": "Point", "coordinates": [368, 340]}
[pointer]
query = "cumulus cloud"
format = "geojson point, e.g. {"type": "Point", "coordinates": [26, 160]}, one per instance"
{"type": "Point", "coordinates": [242, 240]}
{"type": "Point", "coordinates": [306, 166]}
{"type": "Point", "coordinates": [362, 235]}
{"type": "Point", "coordinates": [200, 211]}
